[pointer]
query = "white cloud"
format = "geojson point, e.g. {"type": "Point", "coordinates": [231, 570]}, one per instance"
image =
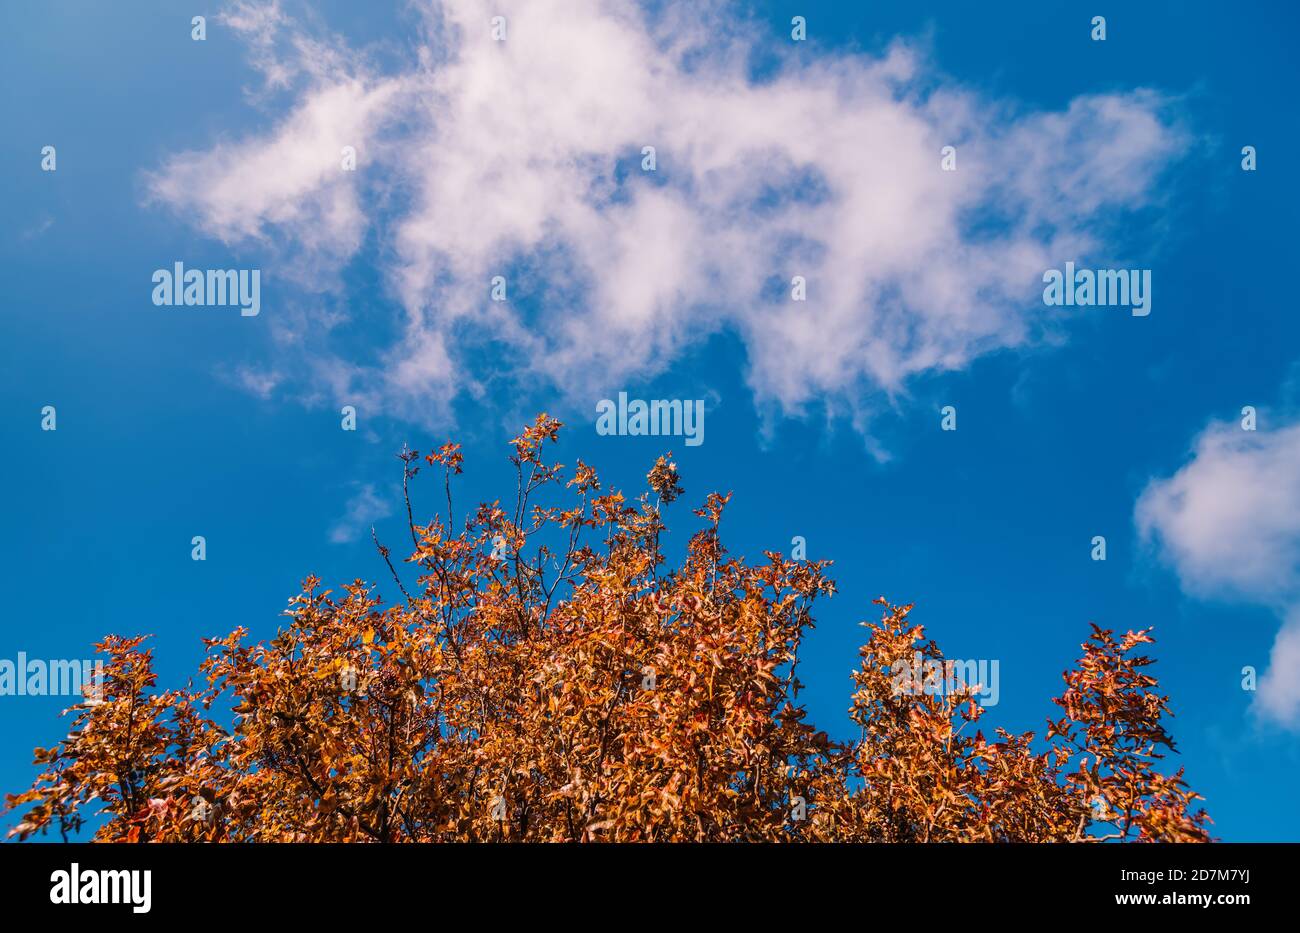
{"type": "Point", "coordinates": [483, 154]}
{"type": "Point", "coordinates": [291, 180]}
{"type": "Point", "coordinates": [364, 509]}
{"type": "Point", "coordinates": [1278, 696]}
{"type": "Point", "coordinates": [1228, 523]}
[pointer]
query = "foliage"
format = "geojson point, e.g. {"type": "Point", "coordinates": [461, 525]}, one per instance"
{"type": "Point", "coordinates": [546, 679]}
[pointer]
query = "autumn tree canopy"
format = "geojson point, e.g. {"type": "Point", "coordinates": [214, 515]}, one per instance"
{"type": "Point", "coordinates": [547, 678]}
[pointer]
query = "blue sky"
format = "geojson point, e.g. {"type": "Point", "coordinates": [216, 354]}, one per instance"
{"type": "Point", "coordinates": [775, 158]}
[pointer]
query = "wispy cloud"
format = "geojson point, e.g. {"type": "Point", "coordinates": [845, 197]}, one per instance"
{"type": "Point", "coordinates": [364, 509]}
{"type": "Point", "coordinates": [259, 382]}
{"type": "Point", "coordinates": [482, 157]}
{"type": "Point", "coordinates": [38, 229]}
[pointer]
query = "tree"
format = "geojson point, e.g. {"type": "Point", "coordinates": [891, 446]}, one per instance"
{"type": "Point", "coordinates": [545, 678]}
